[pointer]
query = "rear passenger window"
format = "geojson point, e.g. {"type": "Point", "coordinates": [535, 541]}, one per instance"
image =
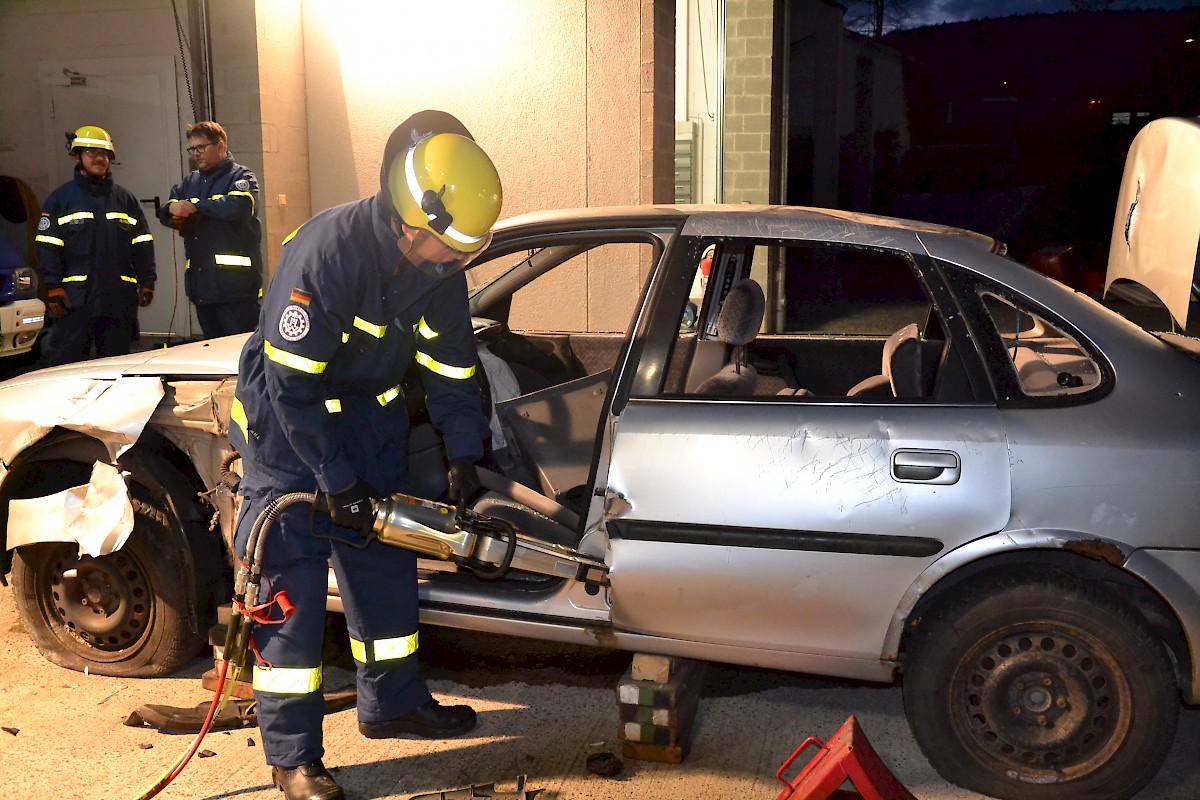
{"type": "Point", "coordinates": [1048, 362]}
{"type": "Point", "coordinates": [848, 291]}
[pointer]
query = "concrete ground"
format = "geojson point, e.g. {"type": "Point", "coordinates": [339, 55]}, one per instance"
{"type": "Point", "coordinates": [543, 710]}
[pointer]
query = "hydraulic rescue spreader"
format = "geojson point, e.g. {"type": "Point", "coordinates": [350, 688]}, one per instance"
{"type": "Point", "coordinates": [487, 546]}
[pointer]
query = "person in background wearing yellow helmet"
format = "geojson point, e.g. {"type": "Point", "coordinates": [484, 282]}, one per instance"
{"type": "Point", "coordinates": [97, 255]}
{"type": "Point", "coordinates": [361, 292]}
{"type": "Point", "coordinates": [214, 211]}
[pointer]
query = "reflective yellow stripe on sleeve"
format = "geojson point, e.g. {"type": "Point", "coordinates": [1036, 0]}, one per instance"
{"type": "Point", "coordinates": [74, 278]}
{"type": "Point", "coordinates": [245, 194]}
{"type": "Point", "coordinates": [287, 680]}
{"type": "Point", "coordinates": [145, 237]}
{"type": "Point", "coordinates": [377, 650]}
{"type": "Point", "coordinates": [433, 365]}
{"type": "Point", "coordinates": [54, 240]}
{"type": "Point", "coordinates": [333, 405]}
{"type": "Point", "coordinates": [230, 260]}
{"type": "Point", "coordinates": [296, 362]}
{"type": "Point", "coordinates": [121, 215]}
{"type": "Point", "coordinates": [291, 235]}
{"type": "Point", "coordinates": [423, 328]}
{"type": "Point", "coordinates": [369, 327]}
{"type": "Point", "coordinates": [388, 396]}
{"type": "Point", "coordinates": [129, 279]}
{"type": "Point", "coordinates": [75, 216]}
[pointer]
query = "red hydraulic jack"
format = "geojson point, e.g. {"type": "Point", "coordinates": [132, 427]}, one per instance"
{"type": "Point", "coordinates": [848, 756]}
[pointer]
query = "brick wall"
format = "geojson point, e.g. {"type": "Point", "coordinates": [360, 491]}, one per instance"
{"type": "Point", "coordinates": [747, 106]}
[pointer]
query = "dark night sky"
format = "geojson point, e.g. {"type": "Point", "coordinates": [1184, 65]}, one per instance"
{"type": "Point", "coordinates": [933, 12]}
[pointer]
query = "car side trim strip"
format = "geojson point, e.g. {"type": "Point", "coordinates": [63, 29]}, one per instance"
{"type": "Point", "coordinates": [777, 539]}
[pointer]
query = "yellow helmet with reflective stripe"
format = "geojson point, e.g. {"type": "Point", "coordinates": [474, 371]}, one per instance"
{"type": "Point", "coordinates": [90, 136]}
{"type": "Point", "coordinates": [445, 184]}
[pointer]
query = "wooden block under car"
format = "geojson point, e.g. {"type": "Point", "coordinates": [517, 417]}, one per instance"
{"type": "Point", "coordinates": [649, 667]}
{"type": "Point", "coordinates": [656, 717]}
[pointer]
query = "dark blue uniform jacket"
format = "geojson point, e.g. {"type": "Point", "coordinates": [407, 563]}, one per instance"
{"type": "Point", "coordinates": [319, 382]}
{"type": "Point", "coordinates": [222, 240]}
{"type": "Point", "coordinates": [93, 242]}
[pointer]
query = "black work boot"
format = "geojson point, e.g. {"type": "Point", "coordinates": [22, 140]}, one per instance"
{"type": "Point", "coordinates": [430, 721]}
{"type": "Point", "coordinates": [309, 781]}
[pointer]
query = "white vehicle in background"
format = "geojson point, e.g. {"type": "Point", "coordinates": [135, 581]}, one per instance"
{"type": "Point", "coordinates": [22, 314]}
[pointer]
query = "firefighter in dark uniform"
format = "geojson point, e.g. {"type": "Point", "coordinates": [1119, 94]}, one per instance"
{"type": "Point", "coordinates": [214, 210]}
{"type": "Point", "coordinates": [362, 290]}
{"type": "Point", "coordinates": [97, 255]}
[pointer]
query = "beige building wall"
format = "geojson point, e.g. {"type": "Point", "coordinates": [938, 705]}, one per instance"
{"type": "Point", "coordinates": [574, 99]}
{"type": "Point", "coordinates": [283, 132]}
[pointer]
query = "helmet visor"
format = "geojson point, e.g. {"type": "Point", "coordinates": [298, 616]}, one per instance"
{"type": "Point", "coordinates": [435, 257]}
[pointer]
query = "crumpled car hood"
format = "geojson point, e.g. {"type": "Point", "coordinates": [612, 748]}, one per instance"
{"type": "Point", "coordinates": [1157, 226]}
{"type": "Point", "coordinates": [212, 357]}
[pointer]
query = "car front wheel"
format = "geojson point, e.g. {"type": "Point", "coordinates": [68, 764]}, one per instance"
{"type": "Point", "coordinates": [1048, 689]}
{"type": "Point", "coordinates": [123, 614]}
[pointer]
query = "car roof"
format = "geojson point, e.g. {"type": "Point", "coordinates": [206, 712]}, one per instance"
{"type": "Point", "coordinates": [739, 220]}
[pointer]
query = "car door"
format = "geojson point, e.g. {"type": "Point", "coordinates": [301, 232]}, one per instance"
{"type": "Point", "coordinates": [793, 520]}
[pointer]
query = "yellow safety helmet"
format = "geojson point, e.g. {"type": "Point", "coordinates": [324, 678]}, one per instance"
{"type": "Point", "coordinates": [445, 184]}
{"type": "Point", "coordinates": [90, 136]}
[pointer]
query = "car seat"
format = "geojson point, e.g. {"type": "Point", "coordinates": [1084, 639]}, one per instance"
{"type": "Point", "coordinates": [737, 326]}
{"type": "Point", "coordinates": [901, 376]}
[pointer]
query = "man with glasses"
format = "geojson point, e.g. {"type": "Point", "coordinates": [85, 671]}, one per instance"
{"type": "Point", "coordinates": [214, 210]}
{"type": "Point", "coordinates": [96, 253]}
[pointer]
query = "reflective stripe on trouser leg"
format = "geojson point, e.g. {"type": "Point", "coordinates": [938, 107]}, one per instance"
{"type": "Point", "coordinates": [290, 722]}
{"type": "Point", "coordinates": [380, 601]}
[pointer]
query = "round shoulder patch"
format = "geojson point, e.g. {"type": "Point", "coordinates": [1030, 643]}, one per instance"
{"type": "Point", "coordinates": [243, 184]}
{"type": "Point", "coordinates": [294, 323]}
{"type": "Point", "coordinates": [44, 224]}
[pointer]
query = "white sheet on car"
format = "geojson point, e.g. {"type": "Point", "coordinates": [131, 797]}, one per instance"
{"type": "Point", "coordinates": [97, 515]}
{"type": "Point", "coordinates": [1157, 226]}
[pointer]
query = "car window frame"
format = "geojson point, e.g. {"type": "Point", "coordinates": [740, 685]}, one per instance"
{"type": "Point", "coordinates": [970, 287]}
{"type": "Point", "coordinates": [679, 266]}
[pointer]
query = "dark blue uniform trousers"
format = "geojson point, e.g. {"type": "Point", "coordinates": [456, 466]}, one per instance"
{"type": "Point", "coordinates": [378, 587]}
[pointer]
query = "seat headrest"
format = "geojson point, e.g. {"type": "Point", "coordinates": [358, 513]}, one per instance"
{"type": "Point", "coordinates": [741, 314]}
{"type": "Point", "coordinates": [902, 361]}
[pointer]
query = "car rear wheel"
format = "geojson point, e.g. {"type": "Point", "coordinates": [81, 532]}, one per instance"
{"type": "Point", "coordinates": [123, 614]}
{"type": "Point", "coordinates": [1050, 689]}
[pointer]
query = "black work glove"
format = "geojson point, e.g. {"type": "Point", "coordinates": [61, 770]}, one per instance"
{"type": "Point", "coordinates": [464, 481]}
{"type": "Point", "coordinates": [352, 508]}
{"type": "Point", "coordinates": [60, 304]}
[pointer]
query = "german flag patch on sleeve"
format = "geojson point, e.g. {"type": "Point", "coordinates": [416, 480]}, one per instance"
{"type": "Point", "coordinates": [300, 296]}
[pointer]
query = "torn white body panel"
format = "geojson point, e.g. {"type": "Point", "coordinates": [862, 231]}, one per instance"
{"type": "Point", "coordinates": [1157, 226]}
{"type": "Point", "coordinates": [97, 515]}
{"type": "Point", "coordinates": [114, 412]}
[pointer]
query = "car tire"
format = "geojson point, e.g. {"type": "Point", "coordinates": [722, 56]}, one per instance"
{"type": "Point", "coordinates": [123, 614]}
{"type": "Point", "coordinates": [1047, 689]}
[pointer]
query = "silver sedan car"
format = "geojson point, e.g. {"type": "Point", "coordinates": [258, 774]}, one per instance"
{"type": "Point", "coordinates": [801, 439]}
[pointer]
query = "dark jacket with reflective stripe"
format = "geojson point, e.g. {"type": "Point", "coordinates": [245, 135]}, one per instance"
{"type": "Point", "coordinates": [342, 320]}
{"type": "Point", "coordinates": [93, 242]}
{"type": "Point", "coordinates": [223, 239]}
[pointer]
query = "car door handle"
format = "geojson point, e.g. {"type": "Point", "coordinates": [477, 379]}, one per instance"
{"type": "Point", "coordinates": [939, 467]}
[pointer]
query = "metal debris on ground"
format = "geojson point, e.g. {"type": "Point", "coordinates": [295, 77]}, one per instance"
{"type": "Point", "coordinates": [483, 790]}
{"type": "Point", "coordinates": [605, 764]}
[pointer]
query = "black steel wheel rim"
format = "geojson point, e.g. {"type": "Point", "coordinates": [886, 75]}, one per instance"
{"type": "Point", "coordinates": [1047, 704]}
{"type": "Point", "coordinates": [100, 608]}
